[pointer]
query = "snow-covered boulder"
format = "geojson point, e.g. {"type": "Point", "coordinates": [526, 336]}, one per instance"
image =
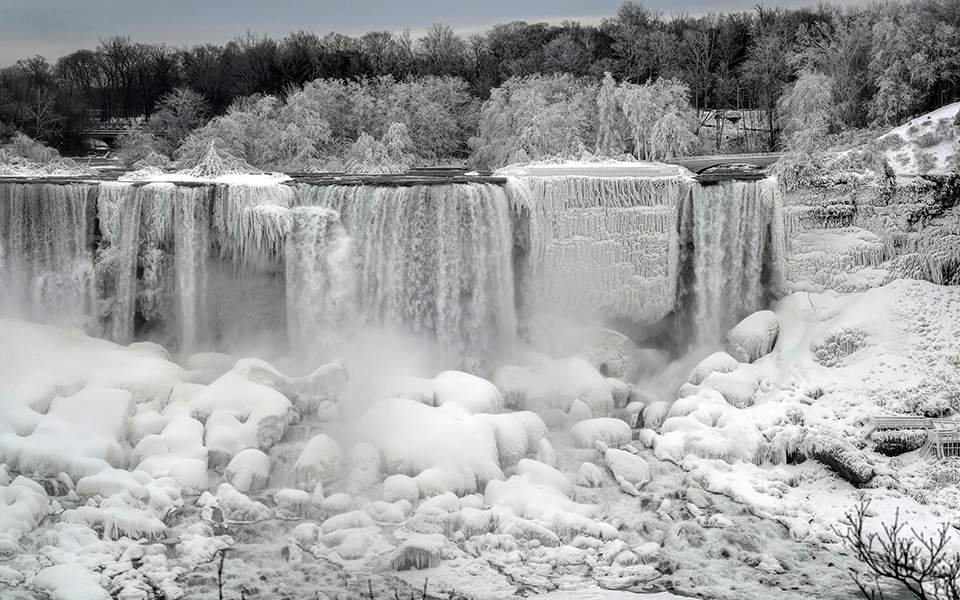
{"type": "Point", "coordinates": [737, 388]}
{"type": "Point", "coordinates": [23, 504]}
{"type": "Point", "coordinates": [474, 394]}
{"type": "Point", "coordinates": [177, 452]}
{"type": "Point", "coordinates": [291, 504]}
{"type": "Point", "coordinates": [718, 362]}
{"type": "Point", "coordinates": [753, 337]}
{"type": "Point", "coordinates": [654, 414]}
{"type": "Point", "coordinates": [400, 487]}
{"type": "Point", "coordinates": [620, 392]}
{"type": "Point", "coordinates": [630, 471]}
{"type": "Point", "coordinates": [589, 475]}
{"type": "Point", "coordinates": [242, 411]}
{"type": "Point", "coordinates": [248, 470]}
{"type": "Point", "coordinates": [70, 581]}
{"type": "Point", "coordinates": [612, 432]}
{"type": "Point", "coordinates": [319, 461]}
{"type": "Point", "coordinates": [523, 388]}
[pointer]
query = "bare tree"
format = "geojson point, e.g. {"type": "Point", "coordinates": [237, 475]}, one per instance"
{"type": "Point", "coordinates": [920, 562]}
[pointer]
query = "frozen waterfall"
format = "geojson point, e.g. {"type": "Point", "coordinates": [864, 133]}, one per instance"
{"type": "Point", "coordinates": [736, 233]}
{"type": "Point", "coordinates": [432, 259]}
{"type": "Point", "coordinates": [321, 285]}
{"type": "Point", "coordinates": [298, 267]}
{"type": "Point", "coordinates": [46, 260]}
{"type": "Point", "coordinates": [601, 247]}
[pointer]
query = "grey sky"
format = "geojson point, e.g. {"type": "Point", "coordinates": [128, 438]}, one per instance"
{"type": "Point", "coordinates": [56, 27]}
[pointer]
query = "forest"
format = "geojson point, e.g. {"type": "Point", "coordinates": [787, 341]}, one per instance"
{"type": "Point", "coordinates": [340, 99]}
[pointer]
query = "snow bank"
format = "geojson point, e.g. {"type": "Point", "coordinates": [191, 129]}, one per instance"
{"type": "Point", "coordinates": [69, 582]}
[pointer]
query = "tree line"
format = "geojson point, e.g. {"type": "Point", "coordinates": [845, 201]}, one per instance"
{"type": "Point", "coordinates": [880, 64]}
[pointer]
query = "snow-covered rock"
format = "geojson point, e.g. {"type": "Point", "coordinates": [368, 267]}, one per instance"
{"type": "Point", "coordinates": [718, 362]}
{"type": "Point", "coordinates": [753, 337]}
{"type": "Point", "coordinates": [319, 461]}
{"type": "Point", "coordinates": [612, 432]}
{"type": "Point", "coordinates": [248, 470]}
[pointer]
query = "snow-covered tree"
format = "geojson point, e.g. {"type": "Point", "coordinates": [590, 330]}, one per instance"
{"type": "Point", "coordinates": [530, 118]}
{"type": "Point", "coordinates": [659, 118]}
{"type": "Point", "coordinates": [806, 111]}
{"type": "Point", "coordinates": [610, 122]}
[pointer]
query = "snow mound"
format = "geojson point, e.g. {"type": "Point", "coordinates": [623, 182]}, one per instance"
{"type": "Point", "coordinates": [319, 462]}
{"type": "Point", "coordinates": [69, 582]}
{"type": "Point", "coordinates": [718, 362]}
{"type": "Point", "coordinates": [240, 413]}
{"type": "Point", "coordinates": [754, 336]}
{"type": "Point", "coordinates": [445, 448]}
{"type": "Point", "coordinates": [248, 470]}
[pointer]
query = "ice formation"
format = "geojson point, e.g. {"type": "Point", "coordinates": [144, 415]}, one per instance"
{"type": "Point", "coordinates": [603, 246]}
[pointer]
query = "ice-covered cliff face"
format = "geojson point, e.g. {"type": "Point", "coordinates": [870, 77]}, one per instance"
{"type": "Point", "coordinates": [643, 248]}
{"type": "Point", "coordinates": [850, 238]}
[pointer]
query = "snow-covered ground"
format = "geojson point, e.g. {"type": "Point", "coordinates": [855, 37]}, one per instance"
{"type": "Point", "coordinates": [928, 144]}
{"type": "Point", "coordinates": [126, 474]}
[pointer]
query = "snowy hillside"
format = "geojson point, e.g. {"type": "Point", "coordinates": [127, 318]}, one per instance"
{"type": "Point", "coordinates": [928, 144]}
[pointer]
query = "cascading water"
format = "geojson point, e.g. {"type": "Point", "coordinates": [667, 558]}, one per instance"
{"type": "Point", "coordinates": [434, 260]}
{"type": "Point", "coordinates": [46, 261]}
{"type": "Point", "coordinates": [321, 285]}
{"type": "Point", "coordinates": [192, 209]}
{"type": "Point", "coordinates": [203, 266]}
{"type": "Point", "coordinates": [735, 228]}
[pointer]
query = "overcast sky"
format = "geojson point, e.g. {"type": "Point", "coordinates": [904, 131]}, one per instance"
{"type": "Point", "coordinates": [56, 27]}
